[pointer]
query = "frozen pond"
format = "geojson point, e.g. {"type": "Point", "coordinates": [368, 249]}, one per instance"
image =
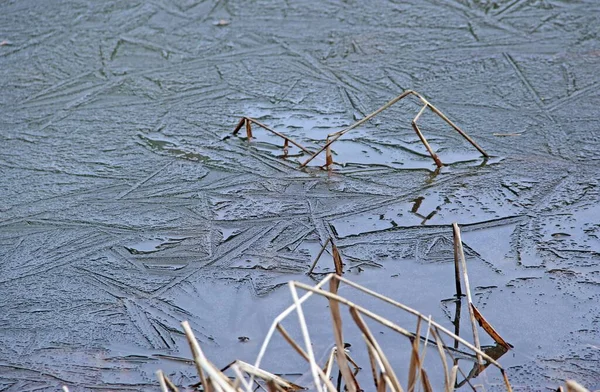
{"type": "Point", "coordinates": [126, 206]}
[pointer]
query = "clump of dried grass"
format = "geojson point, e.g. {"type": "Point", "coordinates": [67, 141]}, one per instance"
{"type": "Point", "coordinates": [247, 377]}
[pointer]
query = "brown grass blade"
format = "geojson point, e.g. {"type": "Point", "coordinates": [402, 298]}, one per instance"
{"type": "Point", "coordinates": [373, 361]}
{"type": "Point", "coordinates": [381, 384]}
{"type": "Point", "coordinates": [337, 259]}
{"type": "Point", "coordinates": [272, 386]}
{"type": "Point", "coordinates": [415, 360]}
{"type": "Point", "coordinates": [385, 321]}
{"type": "Point", "coordinates": [239, 125]}
{"type": "Point", "coordinates": [202, 364]}
{"type": "Point", "coordinates": [425, 381]}
{"type": "Point", "coordinates": [248, 129]}
{"type": "Point", "coordinates": [292, 342]}
{"type": "Point", "coordinates": [267, 376]}
{"type": "Point", "coordinates": [367, 332]}
{"type": "Point", "coordinates": [487, 327]}
{"type": "Point", "coordinates": [440, 347]}
{"type": "Point", "coordinates": [336, 318]}
{"type": "Point", "coordinates": [314, 264]}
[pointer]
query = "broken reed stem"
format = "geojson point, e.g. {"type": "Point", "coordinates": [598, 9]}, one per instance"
{"type": "Point", "coordinates": [314, 264]}
{"type": "Point", "coordinates": [457, 129]}
{"type": "Point", "coordinates": [247, 121]}
{"type": "Point", "coordinates": [281, 135]}
{"type": "Point", "coordinates": [248, 129]}
{"type": "Point", "coordinates": [333, 137]}
{"type": "Point", "coordinates": [161, 381]}
{"type": "Point", "coordinates": [434, 156]}
{"type": "Point", "coordinates": [463, 262]}
{"type": "Point", "coordinates": [338, 134]}
{"type": "Point", "coordinates": [457, 263]}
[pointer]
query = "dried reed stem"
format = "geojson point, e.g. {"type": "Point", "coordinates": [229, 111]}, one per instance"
{"type": "Point", "coordinates": [267, 376]}
{"type": "Point", "coordinates": [282, 316]}
{"type": "Point", "coordinates": [336, 319]}
{"type": "Point", "coordinates": [247, 121]}
{"type": "Point", "coordinates": [457, 264]}
{"type": "Point", "coordinates": [463, 261]}
{"type": "Point", "coordinates": [405, 308]}
{"type": "Point", "coordinates": [314, 264]}
{"type": "Point", "coordinates": [202, 364]}
{"type": "Point", "coordinates": [440, 346]}
{"type": "Point", "coordinates": [314, 368]}
{"type": "Point", "coordinates": [434, 156]}
{"type": "Point", "coordinates": [377, 349]}
{"type": "Point", "coordinates": [489, 329]}
{"type": "Point", "coordinates": [333, 137]}
{"type": "Point", "coordinates": [574, 386]}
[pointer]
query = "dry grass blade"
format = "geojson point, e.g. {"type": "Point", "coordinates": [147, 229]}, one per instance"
{"type": "Point", "coordinates": [415, 360]}
{"type": "Point", "coordinates": [386, 322]}
{"type": "Point", "coordinates": [489, 329]}
{"type": "Point", "coordinates": [282, 316]}
{"type": "Point", "coordinates": [574, 386]}
{"type": "Point", "coordinates": [463, 262]}
{"type": "Point", "coordinates": [337, 259]}
{"type": "Point", "coordinates": [453, 375]}
{"type": "Point", "coordinates": [425, 381]}
{"type": "Point", "coordinates": [306, 336]}
{"type": "Point", "coordinates": [434, 156]}
{"type": "Point", "coordinates": [314, 264]}
{"type": "Point", "coordinates": [292, 342]}
{"type": "Point", "coordinates": [166, 385]}
{"type": "Point", "coordinates": [369, 336]}
{"type": "Point", "coordinates": [202, 364]}
{"type": "Point", "coordinates": [267, 376]}
{"type": "Point", "coordinates": [440, 347]}
{"type": "Point", "coordinates": [336, 318]}
{"type": "Point", "coordinates": [374, 361]}
{"type": "Point", "coordinates": [272, 386]}
{"type": "Point", "coordinates": [381, 384]}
